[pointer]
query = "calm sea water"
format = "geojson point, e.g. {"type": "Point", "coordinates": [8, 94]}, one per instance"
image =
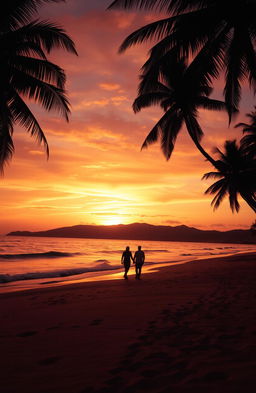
{"type": "Point", "coordinates": [34, 259]}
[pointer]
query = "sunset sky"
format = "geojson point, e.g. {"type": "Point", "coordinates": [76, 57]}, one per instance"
{"type": "Point", "coordinates": [96, 173]}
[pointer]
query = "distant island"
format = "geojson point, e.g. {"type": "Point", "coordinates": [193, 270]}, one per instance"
{"type": "Point", "coordinates": [140, 231]}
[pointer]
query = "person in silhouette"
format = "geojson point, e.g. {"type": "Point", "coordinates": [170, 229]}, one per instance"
{"type": "Point", "coordinates": [126, 261]}
{"type": "Point", "coordinates": [139, 259]}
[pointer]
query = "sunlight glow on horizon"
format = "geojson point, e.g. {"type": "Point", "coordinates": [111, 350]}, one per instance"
{"type": "Point", "coordinates": [111, 220]}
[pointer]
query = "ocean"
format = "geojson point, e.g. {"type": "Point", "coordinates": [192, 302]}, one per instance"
{"type": "Point", "coordinates": [30, 262]}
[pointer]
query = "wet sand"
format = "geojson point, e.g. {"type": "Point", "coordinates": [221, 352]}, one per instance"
{"type": "Point", "coordinates": [187, 328]}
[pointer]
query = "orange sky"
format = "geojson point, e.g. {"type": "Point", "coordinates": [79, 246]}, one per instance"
{"type": "Point", "coordinates": [96, 173]}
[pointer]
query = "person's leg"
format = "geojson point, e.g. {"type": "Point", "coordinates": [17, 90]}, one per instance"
{"type": "Point", "coordinates": [139, 270]}
{"type": "Point", "coordinates": [126, 267]}
{"type": "Point", "coordinates": [136, 271]}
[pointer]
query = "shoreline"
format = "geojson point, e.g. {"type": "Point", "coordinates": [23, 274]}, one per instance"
{"type": "Point", "coordinates": [99, 276]}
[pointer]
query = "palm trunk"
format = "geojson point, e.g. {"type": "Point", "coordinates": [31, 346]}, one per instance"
{"type": "Point", "coordinates": [249, 200]}
{"type": "Point", "coordinates": [195, 133]}
{"type": "Point", "coordinates": [204, 153]}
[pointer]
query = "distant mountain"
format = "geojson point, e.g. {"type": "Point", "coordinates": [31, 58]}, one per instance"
{"type": "Point", "coordinates": [138, 231]}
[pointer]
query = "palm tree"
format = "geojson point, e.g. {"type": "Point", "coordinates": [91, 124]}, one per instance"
{"type": "Point", "coordinates": [236, 175]}
{"type": "Point", "coordinates": [253, 228]}
{"type": "Point", "coordinates": [26, 73]}
{"type": "Point", "coordinates": [221, 33]}
{"type": "Point", "coordinates": [179, 91]}
{"type": "Point", "coordinates": [248, 142]}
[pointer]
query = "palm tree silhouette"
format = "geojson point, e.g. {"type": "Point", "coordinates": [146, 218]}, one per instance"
{"type": "Point", "coordinates": [26, 73]}
{"type": "Point", "coordinates": [236, 175]}
{"type": "Point", "coordinates": [248, 142]}
{"type": "Point", "coordinates": [253, 228]}
{"type": "Point", "coordinates": [180, 92]}
{"type": "Point", "coordinates": [221, 33]}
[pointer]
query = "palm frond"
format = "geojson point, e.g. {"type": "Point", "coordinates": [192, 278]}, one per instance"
{"type": "Point", "coordinates": [215, 187]}
{"type": "Point", "coordinates": [222, 156]}
{"type": "Point", "coordinates": [12, 45]}
{"type": "Point", "coordinates": [140, 4]}
{"type": "Point", "coordinates": [6, 130]}
{"type": "Point", "coordinates": [18, 12]}
{"type": "Point", "coordinates": [169, 132]}
{"type": "Point", "coordinates": [179, 6]}
{"type": "Point", "coordinates": [235, 72]}
{"type": "Point", "coordinates": [210, 104]}
{"type": "Point", "coordinates": [47, 35]}
{"type": "Point", "coordinates": [22, 115]}
{"type": "Point", "coordinates": [163, 74]}
{"type": "Point", "coordinates": [250, 63]}
{"type": "Point", "coordinates": [219, 197]}
{"type": "Point", "coordinates": [6, 148]}
{"type": "Point", "coordinates": [209, 60]}
{"type": "Point", "coordinates": [156, 131]}
{"type": "Point", "coordinates": [231, 154]}
{"type": "Point", "coordinates": [242, 125]}
{"type": "Point", "coordinates": [174, 36]}
{"type": "Point", "coordinates": [41, 69]}
{"type": "Point", "coordinates": [248, 144]}
{"type": "Point", "coordinates": [249, 139]}
{"type": "Point", "coordinates": [152, 137]}
{"type": "Point", "coordinates": [147, 99]}
{"type": "Point", "coordinates": [220, 188]}
{"type": "Point", "coordinates": [155, 30]}
{"type": "Point", "coordinates": [233, 202]}
{"type": "Point", "coordinates": [173, 71]}
{"type": "Point", "coordinates": [212, 175]}
{"type": "Point", "coordinates": [48, 95]}
{"type": "Point", "coordinates": [176, 6]}
{"type": "Point", "coordinates": [150, 83]}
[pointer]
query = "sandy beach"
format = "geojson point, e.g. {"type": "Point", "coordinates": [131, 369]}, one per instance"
{"type": "Point", "coordinates": [187, 328]}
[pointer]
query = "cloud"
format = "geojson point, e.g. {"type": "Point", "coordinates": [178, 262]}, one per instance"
{"type": "Point", "coordinates": [109, 86]}
{"type": "Point", "coordinates": [172, 222]}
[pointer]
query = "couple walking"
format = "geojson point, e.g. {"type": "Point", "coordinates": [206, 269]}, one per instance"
{"type": "Point", "coordinates": [138, 259]}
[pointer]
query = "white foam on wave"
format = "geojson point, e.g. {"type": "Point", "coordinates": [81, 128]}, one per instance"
{"type": "Point", "coordinates": [6, 278]}
{"type": "Point", "coordinates": [47, 254]}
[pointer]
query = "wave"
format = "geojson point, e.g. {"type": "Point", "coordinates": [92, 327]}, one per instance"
{"type": "Point", "coordinates": [102, 260]}
{"type": "Point", "coordinates": [7, 278]}
{"type": "Point", "coordinates": [48, 254]}
{"type": "Point", "coordinates": [224, 248]}
{"type": "Point", "coordinates": [151, 251]}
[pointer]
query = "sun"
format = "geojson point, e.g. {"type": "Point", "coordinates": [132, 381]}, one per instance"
{"type": "Point", "coordinates": [112, 220]}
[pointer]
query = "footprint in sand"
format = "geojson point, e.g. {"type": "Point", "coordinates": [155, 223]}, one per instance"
{"type": "Point", "coordinates": [53, 327]}
{"type": "Point", "coordinates": [215, 375]}
{"type": "Point", "coordinates": [161, 356]}
{"type": "Point", "coordinates": [133, 346]}
{"type": "Point", "coordinates": [89, 389]}
{"type": "Point", "coordinates": [27, 334]}
{"type": "Point", "coordinates": [96, 322]}
{"type": "Point", "coordinates": [115, 380]}
{"type": "Point", "coordinates": [148, 373]}
{"type": "Point", "coordinates": [49, 361]}
{"type": "Point", "coordinates": [116, 370]}
{"type": "Point", "coordinates": [165, 312]}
